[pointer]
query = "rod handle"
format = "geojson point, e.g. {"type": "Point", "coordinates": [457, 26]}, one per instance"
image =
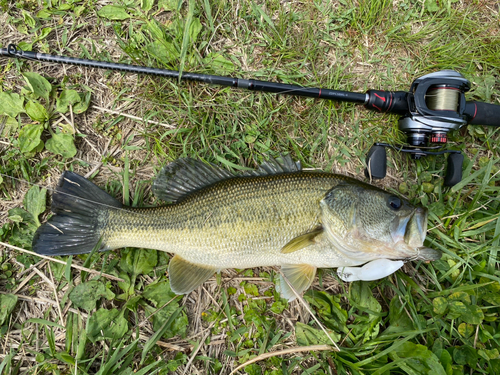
{"type": "Point", "coordinates": [387, 101]}
{"type": "Point", "coordinates": [483, 113]}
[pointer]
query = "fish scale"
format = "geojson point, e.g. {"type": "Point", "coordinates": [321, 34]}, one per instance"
{"type": "Point", "coordinates": [226, 225]}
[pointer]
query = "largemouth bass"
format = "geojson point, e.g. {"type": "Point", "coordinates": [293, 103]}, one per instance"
{"type": "Point", "coordinates": [277, 215]}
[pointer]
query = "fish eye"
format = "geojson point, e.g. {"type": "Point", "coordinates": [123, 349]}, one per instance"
{"type": "Point", "coordinates": [394, 202]}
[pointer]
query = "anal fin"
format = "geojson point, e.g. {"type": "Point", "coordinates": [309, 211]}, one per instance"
{"type": "Point", "coordinates": [186, 276]}
{"type": "Point", "coordinates": [300, 276]}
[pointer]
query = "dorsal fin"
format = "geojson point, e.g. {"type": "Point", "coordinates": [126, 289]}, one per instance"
{"type": "Point", "coordinates": [283, 164]}
{"type": "Point", "coordinates": [185, 176]}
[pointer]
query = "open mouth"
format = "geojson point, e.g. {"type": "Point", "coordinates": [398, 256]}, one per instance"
{"type": "Point", "coordinates": [416, 229]}
{"type": "Point", "coordinates": [410, 229]}
{"type": "Point", "coordinates": [413, 230]}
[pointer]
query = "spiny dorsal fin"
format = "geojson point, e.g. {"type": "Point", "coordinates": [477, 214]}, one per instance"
{"type": "Point", "coordinates": [185, 176]}
{"type": "Point", "coordinates": [301, 242]}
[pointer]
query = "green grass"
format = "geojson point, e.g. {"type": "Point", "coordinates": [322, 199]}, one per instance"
{"type": "Point", "coordinates": [437, 318]}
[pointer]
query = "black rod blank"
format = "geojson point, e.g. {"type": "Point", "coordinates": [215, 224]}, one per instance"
{"type": "Point", "coordinates": [249, 84]}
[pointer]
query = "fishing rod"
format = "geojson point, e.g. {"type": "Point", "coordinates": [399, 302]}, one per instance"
{"type": "Point", "coordinates": [434, 105]}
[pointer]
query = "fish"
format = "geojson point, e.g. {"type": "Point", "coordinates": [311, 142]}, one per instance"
{"type": "Point", "coordinates": [214, 219]}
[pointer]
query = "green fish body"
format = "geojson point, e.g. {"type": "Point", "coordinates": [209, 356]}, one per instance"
{"type": "Point", "coordinates": [278, 215]}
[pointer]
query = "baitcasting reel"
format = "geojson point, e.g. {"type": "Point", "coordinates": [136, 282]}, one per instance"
{"type": "Point", "coordinates": [434, 105]}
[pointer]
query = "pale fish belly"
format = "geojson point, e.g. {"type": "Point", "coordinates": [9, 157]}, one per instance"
{"type": "Point", "coordinates": [321, 255]}
{"type": "Point", "coordinates": [222, 248]}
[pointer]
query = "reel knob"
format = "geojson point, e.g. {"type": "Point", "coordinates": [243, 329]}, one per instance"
{"type": "Point", "coordinates": [454, 169]}
{"type": "Point", "coordinates": [376, 162]}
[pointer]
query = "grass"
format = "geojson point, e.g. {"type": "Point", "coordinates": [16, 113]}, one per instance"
{"type": "Point", "coordinates": [437, 318]}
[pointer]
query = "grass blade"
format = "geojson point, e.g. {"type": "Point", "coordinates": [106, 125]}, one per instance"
{"type": "Point", "coordinates": [158, 334]}
{"type": "Point", "coordinates": [186, 37]}
{"type": "Point", "coordinates": [44, 322]}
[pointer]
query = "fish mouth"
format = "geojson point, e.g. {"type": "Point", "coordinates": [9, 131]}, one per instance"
{"type": "Point", "coordinates": [411, 231]}
{"type": "Point", "coordinates": [416, 230]}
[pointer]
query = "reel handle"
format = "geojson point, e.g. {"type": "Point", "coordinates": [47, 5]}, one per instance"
{"type": "Point", "coordinates": [483, 113]}
{"type": "Point", "coordinates": [376, 162]}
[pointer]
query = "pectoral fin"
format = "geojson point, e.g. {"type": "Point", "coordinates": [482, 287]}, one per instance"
{"type": "Point", "coordinates": [300, 276]}
{"type": "Point", "coordinates": [186, 276]}
{"type": "Point", "coordinates": [301, 242]}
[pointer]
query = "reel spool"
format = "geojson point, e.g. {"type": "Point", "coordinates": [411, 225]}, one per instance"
{"type": "Point", "coordinates": [436, 104]}
{"type": "Point", "coordinates": [443, 98]}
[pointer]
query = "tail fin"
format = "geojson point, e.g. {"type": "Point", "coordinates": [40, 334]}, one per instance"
{"type": "Point", "coordinates": [80, 209]}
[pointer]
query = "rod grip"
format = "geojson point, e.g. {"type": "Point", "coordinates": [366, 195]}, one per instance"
{"type": "Point", "coordinates": [387, 101]}
{"type": "Point", "coordinates": [483, 113]}
{"type": "Point", "coordinates": [4, 52]}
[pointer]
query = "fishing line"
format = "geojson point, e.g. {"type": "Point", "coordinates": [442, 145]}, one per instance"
{"type": "Point", "coordinates": [54, 191]}
{"type": "Point", "coordinates": [442, 98]}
